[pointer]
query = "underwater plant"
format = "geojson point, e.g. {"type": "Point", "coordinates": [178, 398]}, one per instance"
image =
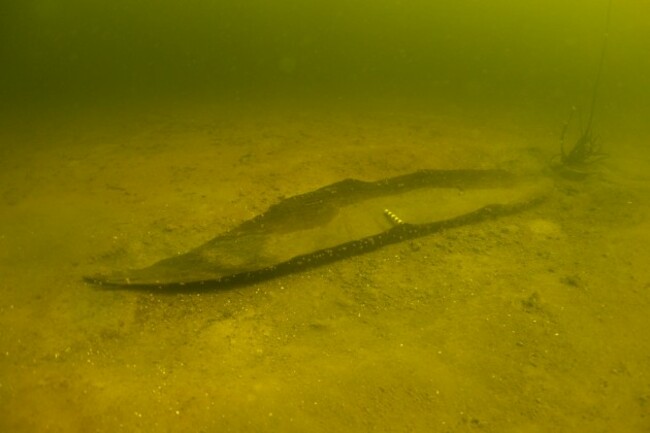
{"type": "Point", "coordinates": [587, 149]}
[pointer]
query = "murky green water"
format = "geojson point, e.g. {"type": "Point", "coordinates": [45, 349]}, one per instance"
{"type": "Point", "coordinates": [136, 131]}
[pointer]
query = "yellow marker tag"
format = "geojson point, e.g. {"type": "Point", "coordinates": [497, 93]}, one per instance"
{"type": "Point", "coordinates": [392, 217]}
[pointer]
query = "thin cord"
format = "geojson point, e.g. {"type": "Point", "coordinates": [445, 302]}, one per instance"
{"type": "Point", "coordinates": [600, 66]}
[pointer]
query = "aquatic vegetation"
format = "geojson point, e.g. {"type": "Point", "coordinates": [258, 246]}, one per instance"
{"type": "Point", "coordinates": [575, 163]}
{"type": "Point", "coordinates": [586, 150]}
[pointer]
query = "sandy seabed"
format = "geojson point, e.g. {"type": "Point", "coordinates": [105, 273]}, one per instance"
{"type": "Point", "coordinates": [533, 322]}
